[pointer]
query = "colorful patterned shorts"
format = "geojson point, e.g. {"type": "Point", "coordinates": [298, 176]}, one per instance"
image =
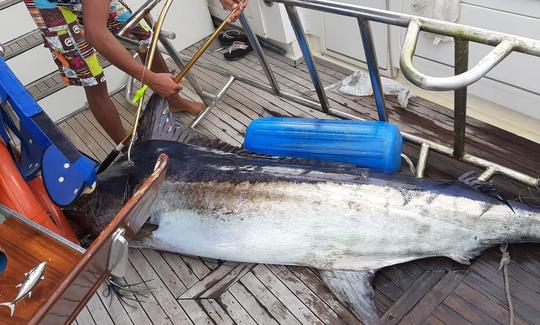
{"type": "Point", "coordinates": [60, 24]}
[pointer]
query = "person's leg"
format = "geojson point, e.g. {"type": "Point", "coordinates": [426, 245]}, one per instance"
{"type": "Point", "coordinates": [76, 60]}
{"type": "Point", "coordinates": [119, 13]}
{"type": "Point", "coordinates": [176, 103]}
{"type": "Point", "coordinates": [104, 111]}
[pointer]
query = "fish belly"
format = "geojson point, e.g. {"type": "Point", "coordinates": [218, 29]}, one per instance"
{"type": "Point", "coordinates": [325, 225]}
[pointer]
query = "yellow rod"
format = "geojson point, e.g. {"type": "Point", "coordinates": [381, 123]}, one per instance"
{"type": "Point", "coordinates": [206, 44]}
{"type": "Point", "coordinates": [148, 65]}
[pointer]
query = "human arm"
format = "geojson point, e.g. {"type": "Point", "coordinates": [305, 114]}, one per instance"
{"type": "Point", "coordinates": [95, 14]}
{"type": "Point", "coordinates": [231, 4]}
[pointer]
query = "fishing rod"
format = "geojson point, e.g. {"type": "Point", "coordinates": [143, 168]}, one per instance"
{"type": "Point", "coordinates": [153, 45]}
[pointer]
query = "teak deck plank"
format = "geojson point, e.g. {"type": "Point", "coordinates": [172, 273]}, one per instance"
{"type": "Point", "coordinates": [291, 295]}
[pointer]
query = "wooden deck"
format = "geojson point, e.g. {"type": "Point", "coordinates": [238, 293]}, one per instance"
{"type": "Point", "coordinates": [189, 290]}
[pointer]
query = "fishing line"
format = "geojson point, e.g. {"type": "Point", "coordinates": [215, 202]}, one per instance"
{"type": "Point", "coordinates": [139, 95]}
{"type": "Point", "coordinates": [532, 199]}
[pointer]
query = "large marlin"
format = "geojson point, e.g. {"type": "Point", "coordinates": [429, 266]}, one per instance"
{"type": "Point", "coordinates": [222, 202]}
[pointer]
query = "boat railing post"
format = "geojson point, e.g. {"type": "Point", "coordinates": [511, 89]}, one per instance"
{"type": "Point", "coordinates": [254, 41]}
{"type": "Point", "coordinates": [308, 58]}
{"type": "Point", "coordinates": [373, 67]}
{"type": "Point", "coordinates": [461, 64]}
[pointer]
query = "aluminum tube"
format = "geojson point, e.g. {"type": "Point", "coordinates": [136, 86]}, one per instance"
{"type": "Point", "coordinates": [474, 34]}
{"type": "Point", "coordinates": [167, 34]}
{"type": "Point", "coordinates": [488, 174]}
{"type": "Point", "coordinates": [373, 68]}
{"type": "Point", "coordinates": [257, 84]}
{"type": "Point", "coordinates": [308, 58]}
{"type": "Point", "coordinates": [301, 100]}
{"type": "Point", "coordinates": [137, 16]}
{"type": "Point", "coordinates": [378, 15]}
{"type": "Point", "coordinates": [422, 160]}
{"type": "Point", "coordinates": [447, 83]}
{"type": "Point", "coordinates": [207, 109]}
{"type": "Point", "coordinates": [254, 41]}
{"type": "Point", "coordinates": [461, 64]}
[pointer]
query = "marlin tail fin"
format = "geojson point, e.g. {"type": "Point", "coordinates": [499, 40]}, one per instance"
{"type": "Point", "coordinates": [354, 290]}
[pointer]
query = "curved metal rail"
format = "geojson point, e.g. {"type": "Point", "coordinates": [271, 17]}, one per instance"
{"type": "Point", "coordinates": [504, 43]}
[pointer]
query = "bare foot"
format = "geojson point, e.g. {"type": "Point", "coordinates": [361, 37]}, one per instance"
{"type": "Point", "coordinates": [179, 104]}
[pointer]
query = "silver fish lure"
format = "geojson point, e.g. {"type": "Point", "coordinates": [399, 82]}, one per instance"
{"type": "Point", "coordinates": [31, 279]}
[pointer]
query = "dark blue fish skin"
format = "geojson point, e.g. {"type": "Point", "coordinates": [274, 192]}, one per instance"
{"type": "Point", "coordinates": [190, 163]}
{"type": "Point", "coordinates": [196, 158]}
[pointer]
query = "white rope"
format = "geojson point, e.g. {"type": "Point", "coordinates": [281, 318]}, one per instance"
{"type": "Point", "coordinates": [505, 260]}
{"type": "Point", "coordinates": [409, 162]}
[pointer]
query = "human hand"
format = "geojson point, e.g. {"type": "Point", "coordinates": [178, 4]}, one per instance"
{"type": "Point", "coordinates": [163, 84]}
{"type": "Point", "coordinates": [232, 4]}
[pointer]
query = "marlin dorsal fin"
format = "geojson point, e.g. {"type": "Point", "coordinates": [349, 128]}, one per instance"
{"type": "Point", "coordinates": [158, 123]}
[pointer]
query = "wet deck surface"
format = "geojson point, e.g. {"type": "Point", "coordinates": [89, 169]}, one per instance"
{"type": "Point", "coordinates": [433, 291]}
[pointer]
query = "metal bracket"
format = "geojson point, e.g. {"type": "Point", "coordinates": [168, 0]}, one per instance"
{"type": "Point", "coordinates": [118, 254]}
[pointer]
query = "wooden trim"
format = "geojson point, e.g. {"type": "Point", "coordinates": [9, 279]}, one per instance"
{"type": "Point", "coordinates": [93, 265]}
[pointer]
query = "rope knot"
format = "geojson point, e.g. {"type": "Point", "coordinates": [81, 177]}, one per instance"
{"type": "Point", "coordinates": [505, 256]}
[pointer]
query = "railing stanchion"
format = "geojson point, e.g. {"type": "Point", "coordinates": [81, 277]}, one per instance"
{"type": "Point", "coordinates": [254, 41]}
{"type": "Point", "coordinates": [308, 58]}
{"type": "Point", "coordinates": [461, 64]}
{"type": "Point", "coordinates": [373, 67]}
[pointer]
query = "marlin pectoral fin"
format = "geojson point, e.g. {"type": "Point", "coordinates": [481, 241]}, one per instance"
{"type": "Point", "coordinates": [484, 187]}
{"type": "Point", "coordinates": [11, 307]}
{"type": "Point", "coordinates": [18, 285]}
{"type": "Point", "coordinates": [354, 289]}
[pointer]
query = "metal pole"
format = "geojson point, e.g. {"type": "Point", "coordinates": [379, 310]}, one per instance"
{"type": "Point", "coordinates": [254, 41]}
{"type": "Point", "coordinates": [220, 94]}
{"type": "Point", "coordinates": [373, 67]}
{"type": "Point", "coordinates": [422, 160]}
{"type": "Point", "coordinates": [308, 58]}
{"type": "Point", "coordinates": [461, 64]}
{"type": "Point", "coordinates": [137, 16]}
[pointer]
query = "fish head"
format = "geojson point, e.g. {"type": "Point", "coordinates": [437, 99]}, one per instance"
{"type": "Point", "coordinates": [91, 213]}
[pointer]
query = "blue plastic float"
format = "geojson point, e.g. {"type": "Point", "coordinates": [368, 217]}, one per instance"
{"type": "Point", "coordinates": [369, 144]}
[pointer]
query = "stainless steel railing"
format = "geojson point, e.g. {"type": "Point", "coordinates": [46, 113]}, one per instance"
{"type": "Point", "coordinates": [503, 45]}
